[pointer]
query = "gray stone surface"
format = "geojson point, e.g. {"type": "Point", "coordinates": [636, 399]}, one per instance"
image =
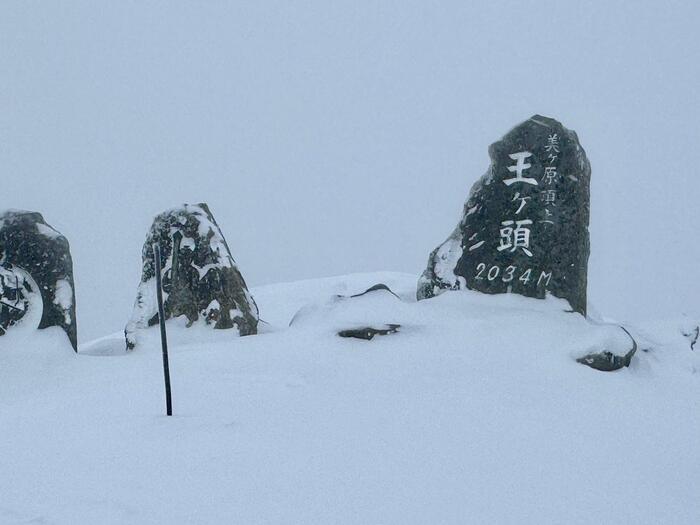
{"type": "Point", "coordinates": [524, 228]}
{"type": "Point", "coordinates": [201, 280]}
{"type": "Point", "coordinates": [35, 259]}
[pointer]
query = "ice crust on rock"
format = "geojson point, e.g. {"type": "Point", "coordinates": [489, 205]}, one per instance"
{"type": "Point", "coordinates": [201, 280]}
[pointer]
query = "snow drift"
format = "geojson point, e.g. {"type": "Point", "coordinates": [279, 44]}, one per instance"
{"type": "Point", "coordinates": [475, 411]}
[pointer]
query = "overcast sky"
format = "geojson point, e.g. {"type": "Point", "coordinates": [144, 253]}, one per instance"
{"type": "Point", "coordinates": [337, 137]}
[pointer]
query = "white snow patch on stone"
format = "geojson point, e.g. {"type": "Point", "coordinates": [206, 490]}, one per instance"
{"type": "Point", "coordinates": [187, 242]}
{"type": "Point", "coordinates": [447, 257]}
{"type": "Point", "coordinates": [47, 231]}
{"type": "Point", "coordinates": [214, 305]}
{"type": "Point", "coordinates": [63, 298]}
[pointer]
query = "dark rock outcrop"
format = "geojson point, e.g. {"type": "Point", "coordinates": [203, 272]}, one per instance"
{"type": "Point", "coordinates": [524, 228]}
{"type": "Point", "coordinates": [201, 280]}
{"type": "Point", "coordinates": [35, 261]}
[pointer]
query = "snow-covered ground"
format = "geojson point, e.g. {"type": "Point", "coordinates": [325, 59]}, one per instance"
{"type": "Point", "coordinates": [474, 412]}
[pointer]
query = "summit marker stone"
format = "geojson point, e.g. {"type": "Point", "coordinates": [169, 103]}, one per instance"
{"type": "Point", "coordinates": [524, 228]}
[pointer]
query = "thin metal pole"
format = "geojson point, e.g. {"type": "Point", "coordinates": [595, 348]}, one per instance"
{"type": "Point", "coordinates": [163, 336]}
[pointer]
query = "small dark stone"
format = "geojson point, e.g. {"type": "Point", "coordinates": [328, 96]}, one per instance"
{"type": "Point", "coordinates": [369, 332]}
{"type": "Point", "coordinates": [200, 277]}
{"type": "Point", "coordinates": [524, 228]}
{"type": "Point", "coordinates": [607, 361]}
{"type": "Point", "coordinates": [35, 259]}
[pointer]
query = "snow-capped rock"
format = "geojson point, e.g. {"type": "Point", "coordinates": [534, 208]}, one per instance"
{"type": "Point", "coordinates": [201, 280]}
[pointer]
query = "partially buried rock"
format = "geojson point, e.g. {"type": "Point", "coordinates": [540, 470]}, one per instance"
{"type": "Point", "coordinates": [36, 275]}
{"type": "Point", "coordinates": [692, 333]}
{"type": "Point", "coordinates": [524, 228]}
{"type": "Point", "coordinates": [609, 359]}
{"type": "Point", "coordinates": [368, 332]}
{"type": "Point", "coordinates": [201, 280]}
{"type": "Point", "coordinates": [353, 316]}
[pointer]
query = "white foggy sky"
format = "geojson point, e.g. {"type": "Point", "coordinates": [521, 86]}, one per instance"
{"type": "Point", "coordinates": [333, 137]}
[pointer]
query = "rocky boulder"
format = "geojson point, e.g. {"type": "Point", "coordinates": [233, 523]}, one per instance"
{"type": "Point", "coordinates": [524, 228]}
{"type": "Point", "coordinates": [201, 280]}
{"type": "Point", "coordinates": [36, 275]}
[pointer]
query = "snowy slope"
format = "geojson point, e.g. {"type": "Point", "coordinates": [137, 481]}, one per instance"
{"type": "Point", "coordinates": [475, 412]}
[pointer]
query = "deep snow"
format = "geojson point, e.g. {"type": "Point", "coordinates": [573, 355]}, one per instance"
{"type": "Point", "coordinates": [475, 412]}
